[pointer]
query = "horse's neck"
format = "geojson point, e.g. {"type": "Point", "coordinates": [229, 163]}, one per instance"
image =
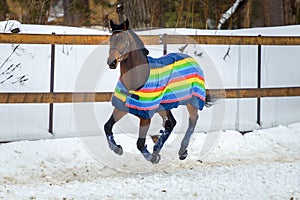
{"type": "Point", "coordinates": [135, 70]}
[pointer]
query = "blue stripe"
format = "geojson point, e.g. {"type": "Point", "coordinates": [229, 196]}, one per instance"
{"type": "Point", "coordinates": [166, 60]}
{"type": "Point", "coordinates": [152, 84]}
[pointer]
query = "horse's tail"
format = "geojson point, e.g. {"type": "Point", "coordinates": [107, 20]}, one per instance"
{"type": "Point", "coordinates": [211, 100]}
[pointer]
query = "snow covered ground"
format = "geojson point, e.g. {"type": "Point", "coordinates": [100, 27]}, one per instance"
{"type": "Point", "coordinates": [264, 164]}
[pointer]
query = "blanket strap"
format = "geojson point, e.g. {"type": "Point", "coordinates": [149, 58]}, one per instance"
{"type": "Point", "coordinates": [137, 97]}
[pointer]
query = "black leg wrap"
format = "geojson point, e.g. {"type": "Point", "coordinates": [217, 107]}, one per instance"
{"type": "Point", "coordinates": [110, 138]}
{"type": "Point", "coordinates": [108, 125]}
{"type": "Point", "coordinates": [170, 124]}
{"type": "Point", "coordinates": [140, 144]}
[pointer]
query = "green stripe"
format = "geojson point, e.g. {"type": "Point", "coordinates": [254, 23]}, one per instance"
{"type": "Point", "coordinates": [172, 90]}
{"type": "Point", "coordinates": [176, 67]}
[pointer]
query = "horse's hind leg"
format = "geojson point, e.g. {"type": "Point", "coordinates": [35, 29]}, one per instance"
{"type": "Point", "coordinates": [141, 142]}
{"type": "Point", "coordinates": [169, 124]}
{"type": "Point", "coordinates": [193, 112]}
{"type": "Point", "coordinates": [116, 116]}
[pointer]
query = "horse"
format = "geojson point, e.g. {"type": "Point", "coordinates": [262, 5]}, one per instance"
{"type": "Point", "coordinates": [152, 85]}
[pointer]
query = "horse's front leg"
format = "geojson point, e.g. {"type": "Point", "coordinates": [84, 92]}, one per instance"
{"type": "Point", "coordinates": [141, 142]}
{"type": "Point", "coordinates": [116, 116]}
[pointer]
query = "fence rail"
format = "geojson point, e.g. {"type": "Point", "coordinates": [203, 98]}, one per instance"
{"type": "Point", "coordinates": [149, 39]}
{"type": "Point", "coordinates": [106, 96]}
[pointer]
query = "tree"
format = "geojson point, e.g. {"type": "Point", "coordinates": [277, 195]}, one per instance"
{"type": "Point", "coordinates": [35, 11]}
{"type": "Point", "coordinates": [101, 12]}
{"type": "Point", "coordinates": [76, 12]}
{"type": "Point", "coordinates": [4, 10]}
{"type": "Point", "coordinates": [138, 12]}
{"type": "Point", "coordinates": [141, 13]}
{"type": "Point", "coordinates": [225, 16]}
{"type": "Point", "coordinates": [193, 13]}
{"type": "Point", "coordinates": [275, 12]}
{"type": "Point", "coordinates": [291, 11]}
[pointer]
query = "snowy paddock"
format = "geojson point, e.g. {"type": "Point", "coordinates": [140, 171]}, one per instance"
{"type": "Point", "coordinates": [264, 164]}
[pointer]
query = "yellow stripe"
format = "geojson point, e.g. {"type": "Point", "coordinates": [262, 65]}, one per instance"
{"type": "Point", "coordinates": [185, 82]}
{"type": "Point", "coordinates": [146, 94]}
{"type": "Point", "coordinates": [170, 66]}
{"type": "Point", "coordinates": [120, 96]}
{"type": "Point", "coordinates": [170, 86]}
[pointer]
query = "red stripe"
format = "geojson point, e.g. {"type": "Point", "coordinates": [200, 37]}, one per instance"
{"type": "Point", "coordinates": [150, 90]}
{"type": "Point", "coordinates": [174, 80]}
{"type": "Point", "coordinates": [167, 101]}
{"type": "Point", "coordinates": [186, 78]}
{"type": "Point", "coordinates": [140, 108]}
{"type": "Point", "coordinates": [199, 96]}
{"type": "Point", "coordinates": [175, 100]}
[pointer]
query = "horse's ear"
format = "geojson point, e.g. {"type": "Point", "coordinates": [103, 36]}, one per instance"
{"type": "Point", "coordinates": [112, 24]}
{"type": "Point", "coordinates": [126, 24]}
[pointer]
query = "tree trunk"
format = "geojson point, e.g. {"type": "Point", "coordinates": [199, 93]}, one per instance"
{"type": "Point", "coordinates": [141, 13]}
{"type": "Point", "coordinates": [4, 10]}
{"type": "Point", "coordinates": [247, 14]}
{"type": "Point", "coordinates": [291, 11]}
{"type": "Point", "coordinates": [156, 11]}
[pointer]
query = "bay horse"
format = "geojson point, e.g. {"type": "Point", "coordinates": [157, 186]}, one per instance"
{"type": "Point", "coordinates": [152, 85]}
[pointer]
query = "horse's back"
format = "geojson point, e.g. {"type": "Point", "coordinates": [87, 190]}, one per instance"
{"type": "Point", "coordinates": [169, 59]}
{"type": "Point", "coordinates": [179, 78]}
{"type": "Point", "coordinates": [172, 68]}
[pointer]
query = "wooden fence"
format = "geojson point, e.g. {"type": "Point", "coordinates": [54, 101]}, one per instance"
{"type": "Point", "coordinates": [70, 97]}
{"type": "Point", "coordinates": [149, 39]}
{"type": "Point", "coordinates": [54, 39]}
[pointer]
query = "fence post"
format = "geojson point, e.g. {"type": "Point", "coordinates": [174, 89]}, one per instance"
{"type": "Point", "coordinates": [51, 86]}
{"type": "Point", "coordinates": [165, 44]}
{"type": "Point", "coordinates": [258, 120]}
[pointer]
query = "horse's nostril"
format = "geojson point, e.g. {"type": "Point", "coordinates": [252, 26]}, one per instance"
{"type": "Point", "coordinates": [113, 64]}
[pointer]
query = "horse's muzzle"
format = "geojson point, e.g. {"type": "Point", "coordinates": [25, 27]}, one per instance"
{"type": "Point", "coordinates": [113, 64]}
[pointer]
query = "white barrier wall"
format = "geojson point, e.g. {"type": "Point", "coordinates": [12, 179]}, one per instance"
{"type": "Point", "coordinates": [84, 68]}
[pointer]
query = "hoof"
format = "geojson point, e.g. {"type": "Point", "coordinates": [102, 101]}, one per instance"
{"type": "Point", "coordinates": [183, 154]}
{"type": "Point", "coordinates": [118, 150]}
{"type": "Point", "coordinates": [155, 158]}
{"type": "Point", "coordinates": [113, 146]}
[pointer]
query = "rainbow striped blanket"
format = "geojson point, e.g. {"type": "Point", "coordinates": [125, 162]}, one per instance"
{"type": "Point", "coordinates": [175, 79]}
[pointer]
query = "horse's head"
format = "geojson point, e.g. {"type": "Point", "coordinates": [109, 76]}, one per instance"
{"type": "Point", "coordinates": [120, 43]}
